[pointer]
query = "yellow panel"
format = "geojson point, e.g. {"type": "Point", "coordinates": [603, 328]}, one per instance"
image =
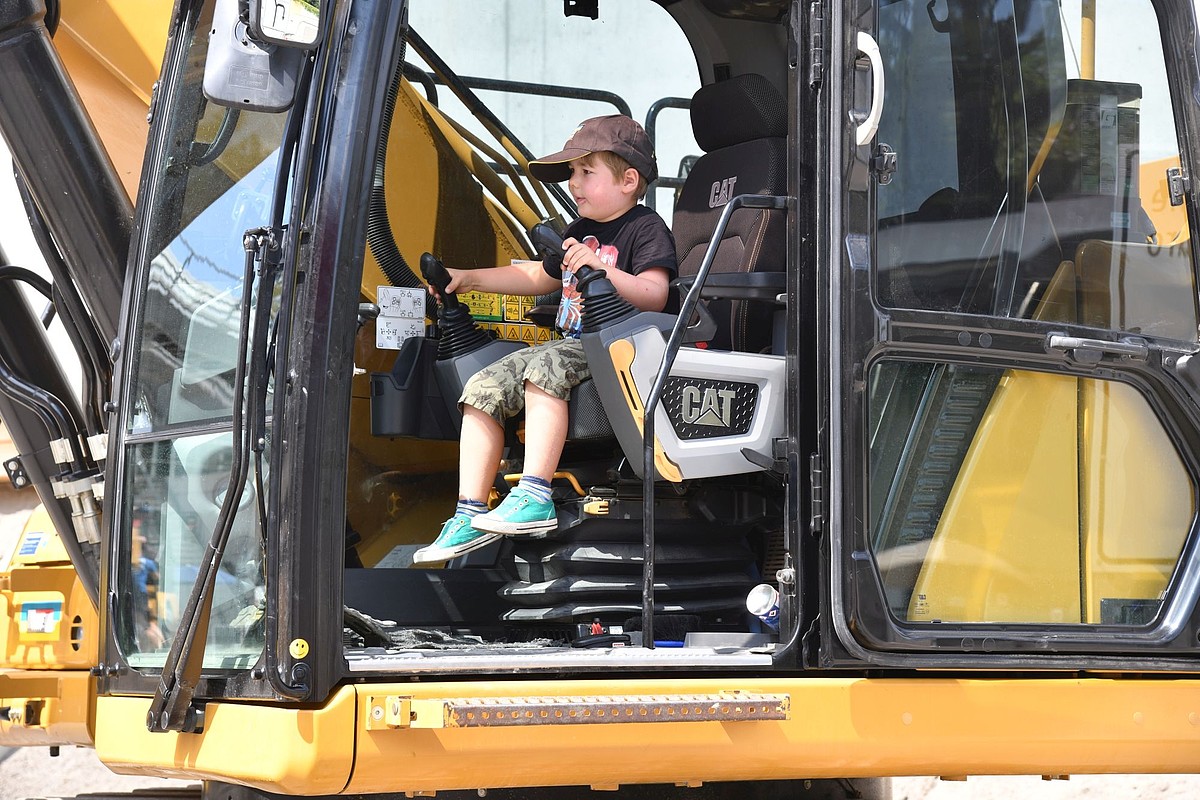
{"type": "Point", "coordinates": [838, 727]}
{"type": "Point", "coordinates": [622, 352]}
{"type": "Point", "coordinates": [40, 576]}
{"type": "Point", "coordinates": [434, 202]}
{"type": "Point", "coordinates": [277, 749]}
{"type": "Point", "coordinates": [118, 114]}
{"type": "Point", "coordinates": [39, 545]}
{"type": "Point", "coordinates": [128, 37]}
{"type": "Point", "coordinates": [1137, 497]}
{"type": "Point", "coordinates": [113, 52]}
{"type": "Point", "coordinates": [54, 708]}
{"type": "Point", "coordinates": [1007, 546]}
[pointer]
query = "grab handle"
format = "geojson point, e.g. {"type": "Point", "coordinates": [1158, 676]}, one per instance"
{"type": "Point", "coordinates": [866, 131]}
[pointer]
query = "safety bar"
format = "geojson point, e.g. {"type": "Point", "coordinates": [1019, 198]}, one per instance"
{"type": "Point", "coordinates": [656, 108]}
{"type": "Point", "coordinates": [688, 307]}
{"type": "Point", "coordinates": [539, 90]}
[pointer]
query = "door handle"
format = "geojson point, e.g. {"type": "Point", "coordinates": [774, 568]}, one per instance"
{"type": "Point", "coordinates": [870, 48]}
{"type": "Point", "coordinates": [1090, 351]}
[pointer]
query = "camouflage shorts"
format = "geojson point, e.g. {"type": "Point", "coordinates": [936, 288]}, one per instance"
{"type": "Point", "coordinates": [498, 389]}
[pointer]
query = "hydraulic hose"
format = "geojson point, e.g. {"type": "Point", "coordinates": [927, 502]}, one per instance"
{"type": "Point", "coordinates": [9, 272]}
{"type": "Point", "coordinates": [53, 12]}
{"type": "Point", "coordinates": [52, 411]}
{"type": "Point", "coordinates": [76, 320]}
{"type": "Point", "coordinates": [379, 228]}
{"type": "Point", "coordinates": [95, 375]}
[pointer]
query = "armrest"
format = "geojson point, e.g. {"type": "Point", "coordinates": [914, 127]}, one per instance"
{"type": "Point", "coordinates": [542, 315]}
{"type": "Point", "coordinates": [764, 286]}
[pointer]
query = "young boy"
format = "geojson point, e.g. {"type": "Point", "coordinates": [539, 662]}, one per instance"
{"type": "Point", "coordinates": [608, 162]}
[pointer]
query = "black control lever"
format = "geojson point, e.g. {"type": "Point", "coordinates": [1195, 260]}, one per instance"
{"type": "Point", "coordinates": [435, 272]}
{"type": "Point", "coordinates": [459, 333]}
{"type": "Point", "coordinates": [548, 243]}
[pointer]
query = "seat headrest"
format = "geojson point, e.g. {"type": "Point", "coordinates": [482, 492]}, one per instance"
{"type": "Point", "coordinates": [740, 109]}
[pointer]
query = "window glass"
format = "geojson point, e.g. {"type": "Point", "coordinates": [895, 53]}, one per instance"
{"type": "Point", "coordinates": [1039, 190]}
{"type": "Point", "coordinates": [182, 484]}
{"type": "Point", "coordinates": [528, 40]}
{"type": "Point", "coordinates": [188, 349]}
{"type": "Point", "coordinates": [1016, 496]}
{"type": "Point", "coordinates": [217, 180]}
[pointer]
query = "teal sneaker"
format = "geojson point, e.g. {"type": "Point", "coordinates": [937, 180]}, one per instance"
{"type": "Point", "coordinates": [458, 536]}
{"type": "Point", "coordinates": [520, 513]}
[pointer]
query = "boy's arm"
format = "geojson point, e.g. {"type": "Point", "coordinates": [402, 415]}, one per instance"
{"type": "Point", "coordinates": [647, 290]}
{"type": "Point", "coordinates": [527, 278]}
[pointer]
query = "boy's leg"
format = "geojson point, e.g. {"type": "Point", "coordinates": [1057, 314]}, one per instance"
{"type": "Point", "coordinates": [545, 431]}
{"type": "Point", "coordinates": [480, 445]}
{"type": "Point", "coordinates": [528, 508]}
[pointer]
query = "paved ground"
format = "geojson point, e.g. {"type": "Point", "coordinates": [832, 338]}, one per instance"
{"type": "Point", "coordinates": [31, 772]}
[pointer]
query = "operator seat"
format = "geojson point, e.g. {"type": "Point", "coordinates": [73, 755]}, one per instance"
{"type": "Point", "coordinates": [741, 124]}
{"type": "Point", "coordinates": [722, 409]}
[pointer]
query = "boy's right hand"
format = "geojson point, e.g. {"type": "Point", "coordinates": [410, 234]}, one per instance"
{"type": "Point", "coordinates": [458, 280]}
{"type": "Point", "coordinates": [436, 276]}
{"type": "Point", "coordinates": [457, 283]}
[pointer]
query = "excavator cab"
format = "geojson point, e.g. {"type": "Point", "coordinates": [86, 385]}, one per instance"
{"type": "Point", "coordinates": [931, 342]}
{"type": "Point", "coordinates": [585, 572]}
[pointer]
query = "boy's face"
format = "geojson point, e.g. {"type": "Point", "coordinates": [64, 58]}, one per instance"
{"type": "Point", "coordinates": [599, 194]}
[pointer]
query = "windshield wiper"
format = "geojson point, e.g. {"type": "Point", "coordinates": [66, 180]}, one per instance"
{"type": "Point", "coordinates": [172, 708]}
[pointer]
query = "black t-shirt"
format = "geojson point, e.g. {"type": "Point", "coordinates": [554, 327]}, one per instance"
{"type": "Point", "coordinates": [634, 242]}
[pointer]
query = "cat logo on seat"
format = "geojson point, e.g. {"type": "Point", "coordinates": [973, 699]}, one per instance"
{"type": "Point", "coordinates": [712, 407]}
{"type": "Point", "coordinates": [722, 192]}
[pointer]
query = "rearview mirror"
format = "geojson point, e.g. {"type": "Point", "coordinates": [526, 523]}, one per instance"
{"type": "Point", "coordinates": [242, 72]}
{"type": "Point", "coordinates": [289, 23]}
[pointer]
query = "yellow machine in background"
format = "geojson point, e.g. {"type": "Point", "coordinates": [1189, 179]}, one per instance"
{"type": "Point", "coordinates": [48, 643]}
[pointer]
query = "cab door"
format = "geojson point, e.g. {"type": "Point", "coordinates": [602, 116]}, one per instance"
{"type": "Point", "coordinates": [1014, 328]}
{"type": "Point", "coordinates": [203, 440]}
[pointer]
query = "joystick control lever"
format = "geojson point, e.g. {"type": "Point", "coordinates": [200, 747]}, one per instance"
{"type": "Point", "coordinates": [549, 245]}
{"type": "Point", "coordinates": [459, 332]}
{"type": "Point", "coordinates": [438, 277]}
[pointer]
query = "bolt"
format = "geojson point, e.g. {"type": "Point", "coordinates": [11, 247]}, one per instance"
{"type": "Point", "coordinates": [376, 713]}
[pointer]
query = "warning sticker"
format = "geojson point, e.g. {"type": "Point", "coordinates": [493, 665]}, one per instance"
{"type": "Point", "coordinates": [31, 543]}
{"type": "Point", "coordinates": [482, 305]}
{"type": "Point", "coordinates": [41, 618]}
{"type": "Point", "coordinates": [390, 333]}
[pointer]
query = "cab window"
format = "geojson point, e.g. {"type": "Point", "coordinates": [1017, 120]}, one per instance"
{"type": "Point", "coordinates": [1044, 173]}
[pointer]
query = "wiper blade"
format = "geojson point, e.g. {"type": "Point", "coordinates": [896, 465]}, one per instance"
{"type": "Point", "coordinates": [172, 708]}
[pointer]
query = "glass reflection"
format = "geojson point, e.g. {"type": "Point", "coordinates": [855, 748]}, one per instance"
{"type": "Point", "coordinates": [1017, 496]}
{"type": "Point", "coordinates": [1033, 175]}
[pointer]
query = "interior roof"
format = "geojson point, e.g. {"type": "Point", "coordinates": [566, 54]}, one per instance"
{"type": "Point", "coordinates": [744, 45]}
